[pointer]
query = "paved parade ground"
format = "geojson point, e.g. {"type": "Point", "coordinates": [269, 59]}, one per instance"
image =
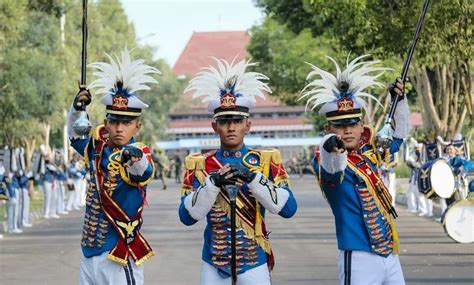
{"type": "Point", "coordinates": [305, 246]}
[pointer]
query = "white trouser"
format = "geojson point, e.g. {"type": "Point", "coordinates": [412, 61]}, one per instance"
{"type": "Point", "coordinates": [365, 268]}
{"type": "Point", "coordinates": [13, 209]}
{"type": "Point", "coordinates": [98, 270]}
{"type": "Point", "coordinates": [25, 217]}
{"type": "Point", "coordinates": [19, 209]}
{"type": "Point", "coordinates": [426, 206]}
{"type": "Point", "coordinates": [73, 196]}
{"type": "Point", "coordinates": [255, 276]}
{"type": "Point", "coordinates": [49, 199]}
{"type": "Point", "coordinates": [71, 199]}
{"type": "Point", "coordinates": [444, 206]}
{"type": "Point", "coordinates": [391, 185]}
{"type": "Point", "coordinates": [78, 192]}
{"type": "Point", "coordinates": [413, 197]}
{"type": "Point", "coordinates": [60, 196]}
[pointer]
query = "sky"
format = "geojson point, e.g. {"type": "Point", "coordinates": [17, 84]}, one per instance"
{"type": "Point", "coordinates": [169, 25]}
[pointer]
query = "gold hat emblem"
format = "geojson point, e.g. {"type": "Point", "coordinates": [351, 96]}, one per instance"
{"type": "Point", "coordinates": [345, 105]}
{"type": "Point", "coordinates": [228, 101]}
{"type": "Point", "coordinates": [119, 103]}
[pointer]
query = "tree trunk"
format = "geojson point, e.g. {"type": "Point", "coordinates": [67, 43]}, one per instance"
{"type": "Point", "coordinates": [445, 94]}
{"type": "Point", "coordinates": [29, 145]}
{"type": "Point", "coordinates": [423, 88]}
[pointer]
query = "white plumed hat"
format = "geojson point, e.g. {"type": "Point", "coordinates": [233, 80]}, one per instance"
{"type": "Point", "coordinates": [120, 80]}
{"type": "Point", "coordinates": [342, 96]}
{"type": "Point", "coordinates": [229, 90]}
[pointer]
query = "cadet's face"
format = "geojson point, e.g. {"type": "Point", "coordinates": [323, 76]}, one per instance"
{"type": "Point", "coordinates": [350, 134]}
{"type": "Point", "coordinates": [232, 132]}
{"type": "Point", "coordinates": [121, 132]}
{"type": "Point", "coordinates": [450, 151]}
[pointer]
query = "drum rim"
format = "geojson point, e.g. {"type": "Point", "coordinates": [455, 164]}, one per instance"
{"type": "Point", "coordinates": [457, 203]}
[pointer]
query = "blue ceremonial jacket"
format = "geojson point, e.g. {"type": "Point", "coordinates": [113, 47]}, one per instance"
{"type": "Point", "coordinates": [98, 234]}
{"type": "Point", "coordinates": [49, 175]}
{"type": "Point", "coordinates": [217, 234]}
{"type": "Point", "coordinates": [11, 186]}
{"type": "Point", "coordinates": [458, 161]}
{"type": "Point", "coordinates": [359, 224]}
{"type": "Point", "coordinates": [23, 181]}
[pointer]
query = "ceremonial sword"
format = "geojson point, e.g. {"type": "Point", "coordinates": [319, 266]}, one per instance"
{"type": "Point", "coordinates": [233, 190]}
{"type": "Point", "coordinates": [384, 136]}
{"type": "Point", "coordinates": [82, 125]}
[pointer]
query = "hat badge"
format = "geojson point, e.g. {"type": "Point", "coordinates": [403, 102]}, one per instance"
{"type": "Point", "coordinates": [228, 101]}
{"type": "Point", "coordinates": [345, 105]}
{"type": "Point", "coordinates": [119, 102]}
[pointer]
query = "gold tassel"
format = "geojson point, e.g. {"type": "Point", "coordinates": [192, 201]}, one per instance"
{"type": "Point", "coordinates": [120, 261]}
{"type": "Point", "coordinates": [145, 258]}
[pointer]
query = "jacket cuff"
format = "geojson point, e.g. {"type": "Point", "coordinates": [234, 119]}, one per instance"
{"type": "Point", "coordinates": [402, 120]}
{"type": "Point", "coordinates": [332, 162]}
{"type": "Point", "coordinates": [71, 118]}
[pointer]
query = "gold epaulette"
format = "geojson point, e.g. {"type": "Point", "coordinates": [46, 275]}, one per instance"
{"type": "Point", "coordinates": [98, 133]}
{"type": "Point", "coordinates": [194, 161]}
{"type": "Point", "coordinates": [270, 154]}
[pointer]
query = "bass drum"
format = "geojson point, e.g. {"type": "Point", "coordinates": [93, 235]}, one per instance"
{"type": "Point", "coordinates": [458, 221]}
{"type": "Point", "coordinates": [436, 179]}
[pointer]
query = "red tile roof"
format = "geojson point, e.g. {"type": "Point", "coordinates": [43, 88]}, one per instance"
{"type": "Point", "coordinates": [416, 119]}
{"type": "Point", "coordinates": [204, 45]}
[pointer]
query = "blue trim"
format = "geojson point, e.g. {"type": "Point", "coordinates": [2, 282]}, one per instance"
{"type": "Point", "coordinates": [127, 275]}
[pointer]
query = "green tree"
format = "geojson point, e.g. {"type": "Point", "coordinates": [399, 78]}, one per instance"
{"type": "Point", "coordinates": [39, 71]}
{"type": "Point", "coordinates": [28, 80]}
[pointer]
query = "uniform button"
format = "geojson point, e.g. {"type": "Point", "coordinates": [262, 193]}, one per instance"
{"type": "Point", "coordinates": [373, 246]}
{"type": "Point", "coordinates": [365, 215]}
{"type": "Point", "coordinates": [383, 218]}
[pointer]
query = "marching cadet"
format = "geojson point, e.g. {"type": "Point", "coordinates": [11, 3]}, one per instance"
{"type": "Point", "coordinates": [413, 158]}
{"type": "Point", "coordinates": [346, 166]}
{"type": "Point", "coordinates": [160, 165]}
{"type": "Point", "coordinates": [24, 202]}
{"type": "Point", "coordinates": [3, 188]}
{"type": "Point", "coordinates": [113, 247]}
{"type": "Point", "coordinates": [389, 177]}
{"type": "Point", "coordinates": [13, 211]}
{"type": "Point", "coordinates": [259, 175]}
{"type": "Point", "coordinates": [50, 188]}
{"type": "Point", "coordinates": [73, 177]}
{"type": "Point", "coordinates": [458, 159]}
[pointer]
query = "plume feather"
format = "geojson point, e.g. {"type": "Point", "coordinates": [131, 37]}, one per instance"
{"type": "Point", "coordinates": [211, 82]}
{"type": "Point", "coordinates": [134, 75]}
{"type": "Point", "coordinates": [350, 82]}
